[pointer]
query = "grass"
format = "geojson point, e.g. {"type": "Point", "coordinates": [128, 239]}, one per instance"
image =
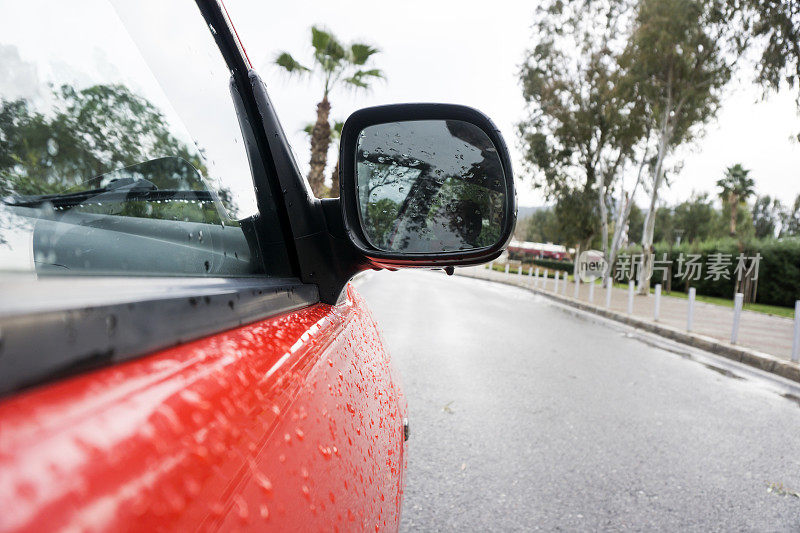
{"type": "Point", "coordinates": [766, 309]}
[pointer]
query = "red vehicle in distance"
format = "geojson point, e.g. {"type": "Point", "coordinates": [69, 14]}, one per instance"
{"type": "Point", "coordinates": [538, 250]}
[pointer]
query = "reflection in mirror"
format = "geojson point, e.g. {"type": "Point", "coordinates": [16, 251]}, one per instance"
{"type": "Point", "coordinates": [429, 186]}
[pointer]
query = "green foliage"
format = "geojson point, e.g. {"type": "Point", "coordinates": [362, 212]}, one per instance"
{"type": "Point", "coordinates": [766, 215]}
{"type": "Point", "coordinates": [779, 269]}
{"type": "Point", "coordinates": [543, 226]}
{"type": "Point", "coordinates": [334, 61]}
{"type": "Point", "coordinates": [736, 183]}
{"type": "Point", "coordinates": [678, 59]}
{"type": "Point", "coordinates": [790, 220]}
{"type": "Point", "coordinates": [290, 64]}
{"type": "Point", "coordinates": [775, 28]}
{"type": "Point", "coordinates": [635, 224]}
{"type": "Point", "coordinates": [694, 219]}
{"type": "Point", "coordinates": [576, 216]}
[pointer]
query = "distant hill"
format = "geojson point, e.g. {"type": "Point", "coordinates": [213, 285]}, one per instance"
{"type": "Point", "coordinates": [524, 211]}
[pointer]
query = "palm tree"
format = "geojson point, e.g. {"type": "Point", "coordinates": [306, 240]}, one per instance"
{"type": "Point", "coordinates": [336, 135]}
{"type": "Point", "coordinates": [735, 188]}
{"type": "Point", "coordinates": [336, 64]}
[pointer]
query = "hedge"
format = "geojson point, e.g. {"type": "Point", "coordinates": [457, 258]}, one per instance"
{"type": "Point", "coordinates": [778, 272]}
{"type": "Point", "coordinates": [552, 264]}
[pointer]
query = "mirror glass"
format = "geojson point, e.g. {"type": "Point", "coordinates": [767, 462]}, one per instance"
{"type": "Point", "coordinates": [429, 186]}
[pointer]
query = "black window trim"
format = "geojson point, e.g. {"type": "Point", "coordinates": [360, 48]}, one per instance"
{"type": "Point", "coordinates": [318, 245]}
{"type": "Point", "coordinates": [59, 326]}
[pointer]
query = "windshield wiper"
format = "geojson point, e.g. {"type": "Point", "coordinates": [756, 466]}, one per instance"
{"type": "Point", "coordinates": [117, 191]}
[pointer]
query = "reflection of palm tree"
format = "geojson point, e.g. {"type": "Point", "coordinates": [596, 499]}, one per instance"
{"type": "Point", "coordinates": [335, 63]}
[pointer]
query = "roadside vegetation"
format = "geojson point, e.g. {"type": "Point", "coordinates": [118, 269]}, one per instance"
{"type": "Point", "coordinates": [615, 90]}
{"type": "Point", "coordinates": [549, 273]}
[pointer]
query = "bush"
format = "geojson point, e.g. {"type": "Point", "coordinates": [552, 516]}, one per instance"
{"type": "Point", "coordinates": [778, 273]}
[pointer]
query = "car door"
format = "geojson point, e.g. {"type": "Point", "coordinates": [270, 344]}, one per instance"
{"type": "Point", "coordinates": [167, 360]}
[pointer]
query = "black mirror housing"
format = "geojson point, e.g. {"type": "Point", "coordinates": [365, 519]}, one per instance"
{"type": "Point", "coordinates": [425, 185]}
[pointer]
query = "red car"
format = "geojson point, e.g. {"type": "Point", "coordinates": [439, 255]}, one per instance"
{"type": "Point", "coordinates": [179, 345]}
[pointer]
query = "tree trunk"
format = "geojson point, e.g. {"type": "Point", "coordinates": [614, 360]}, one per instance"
{"type": "Point", "coordinates": [575, 267]}
{"type": "Point", "coordinates": [626, 204]}
{"type": "Point", "coordinates": [334, 193]}
{"type": "Point", "coordinates": [646, 270]}
{"type": "Point", "coordinates": [734, 201]}
{"type": "Point", "coordinates": [616, 241]}
{"type": "Point", "coordinates": [601, 190]}
{"type": "Point", "coordinates": [320, 141]}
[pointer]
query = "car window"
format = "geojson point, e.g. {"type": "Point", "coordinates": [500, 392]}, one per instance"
{"type": "Point", "coordinates": [120, 149]}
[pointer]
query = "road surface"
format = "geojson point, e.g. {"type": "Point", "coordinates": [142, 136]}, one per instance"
{"type": "Point", "coordinates": [525, 415]}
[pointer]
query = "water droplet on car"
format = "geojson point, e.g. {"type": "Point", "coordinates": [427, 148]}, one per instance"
{"type": "Point", "coordinates": [241, 507]}
{"type": "Point", "coordinates": [264, 483]}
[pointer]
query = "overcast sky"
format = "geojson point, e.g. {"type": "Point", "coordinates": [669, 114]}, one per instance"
{"type": "Point", "coordinates": [469, 52]}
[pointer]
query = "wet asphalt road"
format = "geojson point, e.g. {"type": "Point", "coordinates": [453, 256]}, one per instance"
{"type": "Point", "coordinates": [526, 416]}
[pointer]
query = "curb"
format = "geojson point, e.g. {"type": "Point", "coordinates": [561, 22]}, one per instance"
{"type": "Point", "coordinates": [753, 358]}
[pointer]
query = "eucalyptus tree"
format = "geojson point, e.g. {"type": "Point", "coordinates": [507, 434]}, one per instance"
{"type": "Point", "coordinates": [582, 122]}
{"type": "Point", "coordinates": [790, 220]}
{"type": "Point", "coordinates": [335, 64]}
{"type": "Point", "coordinates": [766, 213]}
{"type": "Point", "coordinates": [774, 28]}
{"type": "Point", "coordinates": [679, 57]}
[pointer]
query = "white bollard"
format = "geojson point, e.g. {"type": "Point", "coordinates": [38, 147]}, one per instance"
{"type": "Point", "coordinates": [591, 292]}
{"type": "Point", "coordinates": [577, 292]}
{"type": "Point", "coordinates": [491, 265]}
{"type": "Point", "coordinates": [555, 283]}
{"type": "Point", "coordinates": [609, 290]}
{"type": "Point", "coordinates": [519, 270]}
{"type": "Point", "coordinates": [796, 342]}
{"type": "Point", "coordinates": [631, 287]}
{"type": "Point", "coordinates": [506, 269]}
{"type": "Point", "coordinates": [737, 315]}
{"type": "Point", "coordinates": [536, 279]}
{"type": "Point", "coordinates": [690, 315]}
{"type": "Point", "coordinates": [657, 304]}
{"type": "Point", "coordinates": [530, 272]}
{"type": "Point", "coordinates": [566, 282]}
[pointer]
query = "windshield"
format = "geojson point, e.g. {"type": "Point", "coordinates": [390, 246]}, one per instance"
{"type": "Point", "coordinates": [123, 113]}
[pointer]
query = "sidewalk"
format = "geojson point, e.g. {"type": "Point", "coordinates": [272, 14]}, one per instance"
{"type": "Point", "coordinates": [759, 333]}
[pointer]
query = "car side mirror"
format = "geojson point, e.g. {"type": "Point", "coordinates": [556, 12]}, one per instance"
{"type": "Point", "coordinates": [426, 185]}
